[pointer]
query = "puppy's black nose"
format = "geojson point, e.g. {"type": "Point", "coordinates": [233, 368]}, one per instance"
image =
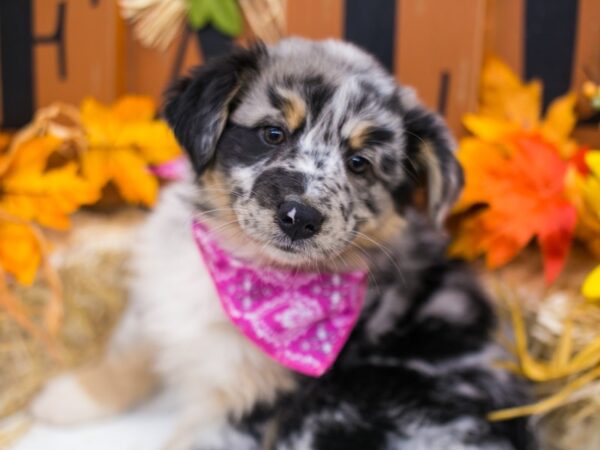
{"type": "Point", "coordinates": [298, 221]}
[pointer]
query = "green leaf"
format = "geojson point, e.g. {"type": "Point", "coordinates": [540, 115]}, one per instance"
{"type": "Point", "coordinates": [226, 16]}
{"type": "Point", "coordinates": [198, 13]}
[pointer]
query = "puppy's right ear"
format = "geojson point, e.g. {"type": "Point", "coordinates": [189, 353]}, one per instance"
{"type": "Point", "coordinates": [197, 106]}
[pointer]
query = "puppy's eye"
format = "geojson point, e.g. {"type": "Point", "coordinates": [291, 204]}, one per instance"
{"type": "Point", "coordinates": [273, 135]}
{"type": "Point", "coordinates": [358, 164]}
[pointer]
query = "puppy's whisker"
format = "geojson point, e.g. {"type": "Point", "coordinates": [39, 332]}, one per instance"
{"type": "Point", "coordinates": [385, 251]}
{"type": "Point", "coordinates": [210, 211]}
{"type": "Point", "coordinates": [224, 226]}
{"type": "Point", "coordinates": [364, 258]}
{"type": "Point", "coordinates": [370, 239]}
{"type": "Point", "coordinates": [228, 191]}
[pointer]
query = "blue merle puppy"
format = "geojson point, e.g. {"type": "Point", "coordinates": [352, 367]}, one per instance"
{"type": "Point", "coordinates": [321, 128]}
{"type": "Point", "coordinates": [322, 125]}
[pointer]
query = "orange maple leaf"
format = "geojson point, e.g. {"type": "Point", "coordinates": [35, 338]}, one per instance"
{"type": "Point", "coordinates": [521, 185]}
{"type": "Point", "coordinates": [516, 169]}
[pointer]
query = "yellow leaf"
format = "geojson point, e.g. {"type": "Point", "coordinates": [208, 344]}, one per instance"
{"type": "Point", "coordinates": [97, 120]}
{"type": "Point", "coordinates": [134, 108]}
{"type": "Point", "coordinates": [131, 175]}
{"type": "Point", "coordinates": [487, 127]}
{"type": "Point", "coordinates": [47, 198]}
{"type": "Point", "coordinates": [32, 155]}
{"type": "Point", "coordinates": [124, 139]}
{"type": "Point", "coordinates": [104, 125]}
{"type": "Point", "coordinates": [95, 166]}
{"type": "Point", "coordinates": [154, 140]}
{"type": "Point", "coordinates": [591, 285]}
{"type": "Point", "coordinates": [504, 96]}
{"type": "Point", "coordinates": [560, 119]}
{"type": "Point", "coordinates": [592, 159]}
{"type": "Point", "coordinates": [19, 251]}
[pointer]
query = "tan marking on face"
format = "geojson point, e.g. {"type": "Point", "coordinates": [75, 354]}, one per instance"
{"type": "Point", "coordinates": [382, 231]}
{"type": "Point", "coordinates": [359, 134]}
{"type": "Point", "coordinates": [217, 191]}
{"type": "Point", "coordinates": [373, 236]}
{"type": "Point", "coordinates": [294, 108]}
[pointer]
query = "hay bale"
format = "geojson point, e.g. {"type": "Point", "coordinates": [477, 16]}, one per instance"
{"type": "Point", "coordinates": [91, 261]}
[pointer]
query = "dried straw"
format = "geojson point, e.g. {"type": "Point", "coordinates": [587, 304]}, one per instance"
{"type": "Point", "coordinates": [556, 344]}
{"type": "Point", "coordinates": [91, 261]}
{"type": "Point", "coordinates": [266, 18]}
{"type": "Point", "coordinates": [156, 22]}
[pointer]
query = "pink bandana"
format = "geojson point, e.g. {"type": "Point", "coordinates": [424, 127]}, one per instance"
{"type": "Point", "coordinates": [300, 319]}
{"type": "Point", "coordinates": [174, 169]}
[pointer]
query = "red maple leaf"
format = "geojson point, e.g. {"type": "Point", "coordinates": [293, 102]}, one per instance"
{"type": "Point", "coordinates": [525, 198]}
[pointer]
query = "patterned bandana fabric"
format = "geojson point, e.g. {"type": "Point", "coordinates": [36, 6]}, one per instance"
{"type": "Point", "coordinates": [300, 319]}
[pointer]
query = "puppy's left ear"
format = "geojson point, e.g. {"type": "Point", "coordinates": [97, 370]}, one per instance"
{"type": "Point", "coordinates": [196, 107]}
{"type": "Point", "coordinates": [430, 150]}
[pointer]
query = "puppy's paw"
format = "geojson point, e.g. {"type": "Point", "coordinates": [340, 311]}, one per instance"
{"type": "Point", "coordinates": [64, 400]}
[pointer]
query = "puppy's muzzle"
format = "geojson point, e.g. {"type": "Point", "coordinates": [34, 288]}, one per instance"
{"type": "Point", "coordinates": [299, 221]}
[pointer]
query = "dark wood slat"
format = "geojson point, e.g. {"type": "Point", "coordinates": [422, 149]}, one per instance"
{"type": "Point", "coordinates": [16, 62]}
{"type": "Point", "coordinates": [371, 25]}
{"type": "Point", "coordinates": [550, 29]}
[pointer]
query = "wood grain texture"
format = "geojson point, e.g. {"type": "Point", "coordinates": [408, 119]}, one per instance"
{"type": "Point", "coordinates": [149, 71]}
{"type": "Point", "coordinates": [315, 19]}
{"type": "Point", "coordinates": [433, 38]}
{"type": "Point", "coordinates": [92, 52]}
{"type": "Point", "coordinates": [504, 32]}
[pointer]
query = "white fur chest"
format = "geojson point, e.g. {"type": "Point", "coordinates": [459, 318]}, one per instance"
{"type": "Point", "coordinates": [198, 350]}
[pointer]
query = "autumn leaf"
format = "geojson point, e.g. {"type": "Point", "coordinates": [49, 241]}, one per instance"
{"type": "Point", "coordinates": [560, 119]}
{"type": "Point", "coordinates": [518, 166]}
{"type": "Point", "coordinates": [14, 308]}
{"type": "Point", "coordinates": [19, 251]}
{"type": "Point", "coordinates": [133, 108]}
{"type": "Point", "coordinates": [154, 141]}
{"type": "Point", "coordinates": [591, 285]}
{"type": "Point", "coordinates": [4, 141]}
{"type": "Point", "coordinates": [522, 193]}
{"type": "Point", "coordinates": [583, 185]}
{"type": "Point", "coordinates": [30, 192]}
{"type": "Point", "coordinates": [124, 140]}
{"type": "Point", "coordinates": [127, 169]}
{"type": "Point", "coordinates": [30, 157]}
{"type": "Point", "coordinates": [476, 156]}
{"type": "Point", "coordinates": [504, 97]}
{"type": "Point", "coordinates": [104, 125]}
{"type": "Point", "coordinates": [508, 106]}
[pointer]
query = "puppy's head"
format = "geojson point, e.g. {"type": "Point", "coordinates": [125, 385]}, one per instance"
{"type": "Point", "coordinates": [310, 150]}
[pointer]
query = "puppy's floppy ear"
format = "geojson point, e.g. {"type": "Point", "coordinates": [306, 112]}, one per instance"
{"type": "Point", "coordinates": [430, 151]}
{"type": "Point", "coordinates": [197, 106]}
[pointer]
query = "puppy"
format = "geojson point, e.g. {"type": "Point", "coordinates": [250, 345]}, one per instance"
{"type": "Point", "coordinates": [307, 156]}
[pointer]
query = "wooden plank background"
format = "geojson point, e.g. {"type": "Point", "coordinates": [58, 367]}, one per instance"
{"type": "Point", "coordinates": [438, 47]}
